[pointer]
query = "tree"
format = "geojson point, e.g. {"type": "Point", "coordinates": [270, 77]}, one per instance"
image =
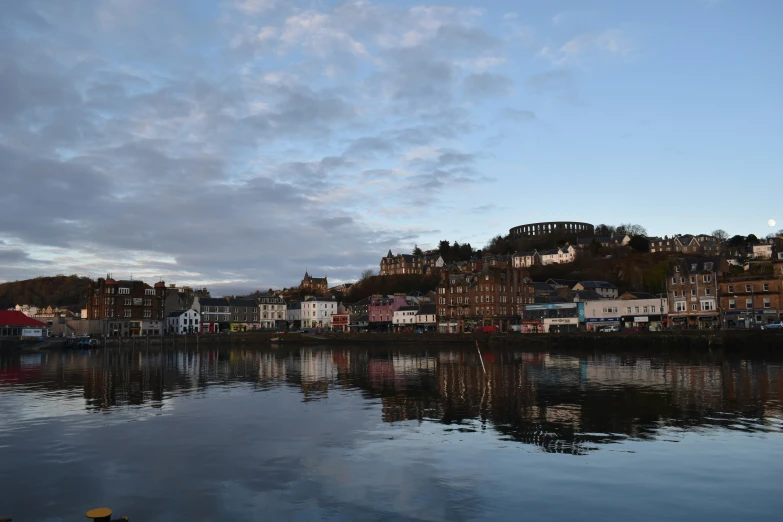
{"type": "Point", "coordinates": [366, 274]}
{"type": "Point", "coordinates": [639, 243]}
{"type": "Point", "coordinates": [737, 241]}
{"type": "Point", "coordinates": [604, 230]}
{"type": "Point", "coordinates": [417, 251]}
{"type": "Point", "coordinates": [444, 248]}
{"type": "Point", "coordinates": [635, 230]}
{"type": "Point", "coordinates": [720, 234]}
{"type": "Point", "coordinates": [752, 239]}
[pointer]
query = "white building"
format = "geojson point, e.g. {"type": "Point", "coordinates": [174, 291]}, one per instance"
{"type": "Point", "coordinates": [272, 311]}
{"type": "Point", "coordinates": [602, 288]}
{"type": "Point", "coordinates": [626, 313]}
{"type": "Point", "coordinates": [525, 259]}
{"type": "Point", "coordinates": [762, 251]}
{"type": "Point", "coordinates": [317, 311]}
{"type": "Point", "coordinates": [405, 316]}
{"type": "Point", "coordinates": [183, 322]}
{"type": "Point", "coordinates": [558, 255]}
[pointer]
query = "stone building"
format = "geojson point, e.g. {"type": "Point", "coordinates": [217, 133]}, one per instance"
{"type": "Point", "coordinates": [494, 296]}
{"type": "Point", "coordinates": [751, 300]}
{"type": "Point", "coordinates": [552, 230]}
{"type": "Point", "coordinates": [314, 285]}
{"type": "Point", "coordinates": [127, 308]}
{"type": "Point", "coordinates": [692, 291]}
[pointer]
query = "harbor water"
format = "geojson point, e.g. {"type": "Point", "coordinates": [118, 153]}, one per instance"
{"type": "Point", "coordinates": [390, 433]}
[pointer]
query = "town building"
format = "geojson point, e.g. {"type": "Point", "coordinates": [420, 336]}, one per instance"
{"type": "Point", "coordinates": [566, 254]}
{"type": "Point", "coordinates": [405, 317]}
{"type": "Point", "coordinates": [686, 243]}
{"type": "Point", "coordinates": [552, 317]}
{"type": "Point", "coordinates": [13, 324]}
{"type": "Point", "coordinates": [400, 264]}
{"type": "Point", "coordinates": [317, 312]}
{"type": "Point", "coordinates": [492, 297]}
{"type": "Point", "coordinates": [382, 307]}
{"type": "Point", "coordinates": [426, 317]}
{"type": "Point", "coordinates": [525, 259]}
{"type": "Point", "coordinates": [762, 251]}
{"type": "Point", "coordinates": [314, 286]}
{"type": "Point", "coordinates": [183, 322]}
{"type": "Point", "coordinates": [604, 289]}
{"type": "Point", "coordinates": [751, 300]}
{"type": "Point", "coordinates": [272, 311]}
{"type": "Point", "coordinates": [127, 308]}
{"type": "Point", "coordinates": [214, 314]}
{"type": "Point", "coordinates": [293, 314]}
{"type": "Point", "coordinates": [692, 291]}
{"type": "Point", "coordinates": [341, 320]}
{"type": "Point", "coordinates": [243, 314]}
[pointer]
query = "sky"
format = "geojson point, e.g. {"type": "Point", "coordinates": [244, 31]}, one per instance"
{"type": "Point", "coordinates": [236, 144]}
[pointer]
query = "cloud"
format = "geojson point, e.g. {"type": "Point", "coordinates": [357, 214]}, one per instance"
{"type": "Point", "coordinates": [487, 85]}
{"type": "Point", "coordinates": [559, 83]}
{"type": "Point", "coordinates": [519, 115]}
{"type": "Point", "coordinates": [584, 48]}
{"type": "Point", "coordinates": [233, 150]}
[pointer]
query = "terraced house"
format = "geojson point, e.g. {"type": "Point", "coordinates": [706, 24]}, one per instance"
{"type": "Point", "coordinates": [272, 311]}
{"type": "Point", "coordinates": [752, 299]}
{"type": "Point", "coordinates": [127, 308]}
{"type": "Point", "coordinates": [400, 264]}
{"type": "Point", "coordinates": [692, 290]}
{"type": "Point", "coordinates": [494, 296]}
{"type": "Point", "coordinates": [243, 314]}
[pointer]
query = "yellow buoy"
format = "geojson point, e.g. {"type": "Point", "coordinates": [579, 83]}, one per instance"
{"type": "Point", "coordinates": [99, 514]}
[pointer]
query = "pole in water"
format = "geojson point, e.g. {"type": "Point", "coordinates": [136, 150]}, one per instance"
{"type": "Point", "coordinates": [480, 357]}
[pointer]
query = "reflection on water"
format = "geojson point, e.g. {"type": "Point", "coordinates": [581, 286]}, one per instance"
{"type": "Point", "coordinates": [547, 403]}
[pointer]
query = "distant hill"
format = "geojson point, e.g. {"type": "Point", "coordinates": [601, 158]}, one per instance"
{"type": "Point", "coordinates": [64, 291]}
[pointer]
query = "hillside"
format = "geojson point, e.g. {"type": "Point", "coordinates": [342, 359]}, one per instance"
{"type": "Point", "coordinates": [399, 284]}
{"type": "Point", "coordinates": [64, 291]}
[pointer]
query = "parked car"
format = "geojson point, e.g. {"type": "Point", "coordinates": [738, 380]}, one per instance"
{"type": "Point", "coordinates": [610, 328]}
{"type": "Point", "coordinates": [86, 342]}
{"type": "Point", "coordinates": [773, 326]}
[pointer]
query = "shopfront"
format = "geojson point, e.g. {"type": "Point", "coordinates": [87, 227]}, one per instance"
{"type": "Point", "coordinates": [561, 324]}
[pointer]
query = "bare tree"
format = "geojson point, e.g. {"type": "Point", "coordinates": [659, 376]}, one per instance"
{"type": "Point", "coordinates": [720, 234]}
{"type": "Point", "coordinates": [366, 274]}
{"type": "Point", "coordinates": [631, 230]}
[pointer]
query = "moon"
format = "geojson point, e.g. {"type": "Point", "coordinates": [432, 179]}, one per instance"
{"type": "Point", "coordinates": [771, 222]}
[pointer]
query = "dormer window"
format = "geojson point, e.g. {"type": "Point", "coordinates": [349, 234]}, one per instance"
{"type": "Point", "coordinates": [676, 268]}
{"type": "Point", "coordinates": [693, 267]}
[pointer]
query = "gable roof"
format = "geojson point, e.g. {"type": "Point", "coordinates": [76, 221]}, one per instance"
{"type": "Point", "coordinates": [212, 301]}
{"type": "Point", "coordinates": [250, 303]}
{"type": "Point", "coordinates": [14, 318]}
{"type": "Point", "coordinates": [178, 313]}
{"type": "Point", "coordinates": [562, 282]}
{"type": "Point", "coordinates": [585, 295]}
{"type": "Point", "coordinates": [587, 285]}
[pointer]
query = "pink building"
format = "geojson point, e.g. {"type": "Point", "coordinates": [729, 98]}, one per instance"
{"type": "Point", "coordinates": [382, 307]}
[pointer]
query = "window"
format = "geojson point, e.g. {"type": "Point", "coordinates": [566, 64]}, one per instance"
{"type": "Point", "coordinates": [636, 309]}
{"type": "Point", "coordinates": [674, 280]}
{"type": "Point", "coordinates": [766, 287]}
{"type": "Point", "coordinates": [708, 305]}
{"type": "Point", "coordinates": [126, 313]}
{"type": "Point", "coordinates": [748, 303]}
{"type": "Point", "coordinates": [675, 295]}
{"type": "Point", "coordinates": [682, 280]}
{"type": "Point", "coordinates": [707, 291]}
{"type": "Point", "coordinates": [694, 307]}
{"type": "Point", "coordinates": [652, 309]}
{"type": "Point", "coordinates": [645, 309]}
{"type": "Point", "coordinates": [628, 310]}
{"type": "Point", "coordinates": [124, 291]}
{"type": "Point", "coordinates": [149, 291]}
{"type": "Point", "coordinates": [748, 288]}
{"type": "Point", "coordinates": [766, 302]}
{"type": "Point", "coordinates": [732, 304]}
{"type": "Point", "coordinates": [693, 279]}
{"type": "Point", "coordinates": [706, 278]}
{"type": "Point", "coordinates": [731, 289]}
{"type": "Point", "coordinates": [693, 292]}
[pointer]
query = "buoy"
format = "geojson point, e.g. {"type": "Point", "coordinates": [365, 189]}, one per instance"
{"type": "Point", "coordinates": [100, 514]}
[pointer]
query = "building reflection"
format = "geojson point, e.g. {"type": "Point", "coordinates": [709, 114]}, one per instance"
{"type": "Point", "coordinates": [561, 403]}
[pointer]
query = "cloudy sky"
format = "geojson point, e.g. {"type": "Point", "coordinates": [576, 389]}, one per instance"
{"type": "Point", "coordinates": [237, 143]}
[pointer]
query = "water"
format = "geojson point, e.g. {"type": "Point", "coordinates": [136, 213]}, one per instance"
{"type": "Point", "coordinates": [380, 434]}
